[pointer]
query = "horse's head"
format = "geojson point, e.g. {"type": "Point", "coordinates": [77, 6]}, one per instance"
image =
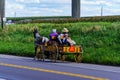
{"type": "Point", "coordinates": [35, 32]}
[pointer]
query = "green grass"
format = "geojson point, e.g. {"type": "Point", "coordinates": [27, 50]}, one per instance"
{"type": "Point", "coordinates": [100, 40]}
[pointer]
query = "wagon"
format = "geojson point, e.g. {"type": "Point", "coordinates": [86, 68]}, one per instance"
{"type": "Point", "coordinates": [56, 52]}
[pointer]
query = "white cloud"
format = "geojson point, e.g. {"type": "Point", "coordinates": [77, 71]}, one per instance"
{"type": "Point", "coordinates": [28, 1]}
{"type": "Point", "coordinates": [60, 7]}
{"type": "Point", "coordinates": [56, 1]}
{"type": "Point", "coordinates": [14, 6]}
{"type": "Point", "coordinates": [109, 11]}
{"type": "Point", "coordinates": [97, 2]}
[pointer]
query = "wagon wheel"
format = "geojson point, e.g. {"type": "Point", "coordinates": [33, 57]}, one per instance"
{"type": "Point", "coordinates": [53, 56]}
{"type": "Point", "coordinates": [40, 53]}
{"type": "Point", "coordinates": [62, 57]}
{"type": "Point", "coordinates": [78, 57]}
{"type": "Point", "coordinates": [54, 53]}
{"type": "Point", "coordinates": [50, 56]}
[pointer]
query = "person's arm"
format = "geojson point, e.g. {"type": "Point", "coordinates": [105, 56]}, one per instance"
{"type": "Point", "coordinates": [50, 37]}
{"type": "Point", "coordinates": [59, 39]}
{"type": "Point", "coordinates": [43, 39]}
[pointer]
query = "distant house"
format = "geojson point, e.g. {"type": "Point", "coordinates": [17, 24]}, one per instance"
{"type": "Point", "coordinates": [9, 22]}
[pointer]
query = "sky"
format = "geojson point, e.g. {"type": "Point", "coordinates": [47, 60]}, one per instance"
{"type": "Point", "coordinates": [25, 8]}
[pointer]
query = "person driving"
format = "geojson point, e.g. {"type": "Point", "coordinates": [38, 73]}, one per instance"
{"type": "Point", "coordinates": [53, 35]}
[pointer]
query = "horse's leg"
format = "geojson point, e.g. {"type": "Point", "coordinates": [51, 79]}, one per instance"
{"type": "Point", "coordinates": [35, 52]}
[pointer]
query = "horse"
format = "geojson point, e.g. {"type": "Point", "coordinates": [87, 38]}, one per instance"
{"type": "Point", "coordinates": [39, 42]}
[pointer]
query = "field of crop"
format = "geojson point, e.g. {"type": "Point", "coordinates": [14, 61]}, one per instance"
{"type": "Point", "coordinates": [64, 19]}
{"type": "Point", "coordinates": [100, 40]}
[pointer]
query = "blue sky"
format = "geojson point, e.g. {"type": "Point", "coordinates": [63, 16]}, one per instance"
{"type": "Point", "coordinates": [23, 8]}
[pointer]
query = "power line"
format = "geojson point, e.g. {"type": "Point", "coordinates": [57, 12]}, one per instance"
{"type": "Point", "coordinates": [101, 10]}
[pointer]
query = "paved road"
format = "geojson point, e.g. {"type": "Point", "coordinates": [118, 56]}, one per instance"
{"type": "Point", "coordinates": [23, 68]}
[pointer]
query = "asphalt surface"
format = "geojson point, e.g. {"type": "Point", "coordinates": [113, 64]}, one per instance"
{"type": "Point", "coordinates": [24, 68]}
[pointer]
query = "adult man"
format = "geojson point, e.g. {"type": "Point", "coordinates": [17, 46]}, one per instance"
{"type": "Point", "coordinates": [64, 38]}
{"type": "Point", "coordinates": [53, 35]}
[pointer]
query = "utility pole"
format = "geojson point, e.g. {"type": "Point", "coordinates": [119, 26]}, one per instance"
{"type": "Point", "coordinates": [76, 8]}
{"type": "Point", "coordinates": [101, 10]}
{"type": "Point", "coordinates": [2, 13]}
{"type": "Point", "coordinates": [15, 14]}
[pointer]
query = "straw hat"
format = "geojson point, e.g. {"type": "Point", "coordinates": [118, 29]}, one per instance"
{"type": "Point", "coordinates": [65, 30]}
